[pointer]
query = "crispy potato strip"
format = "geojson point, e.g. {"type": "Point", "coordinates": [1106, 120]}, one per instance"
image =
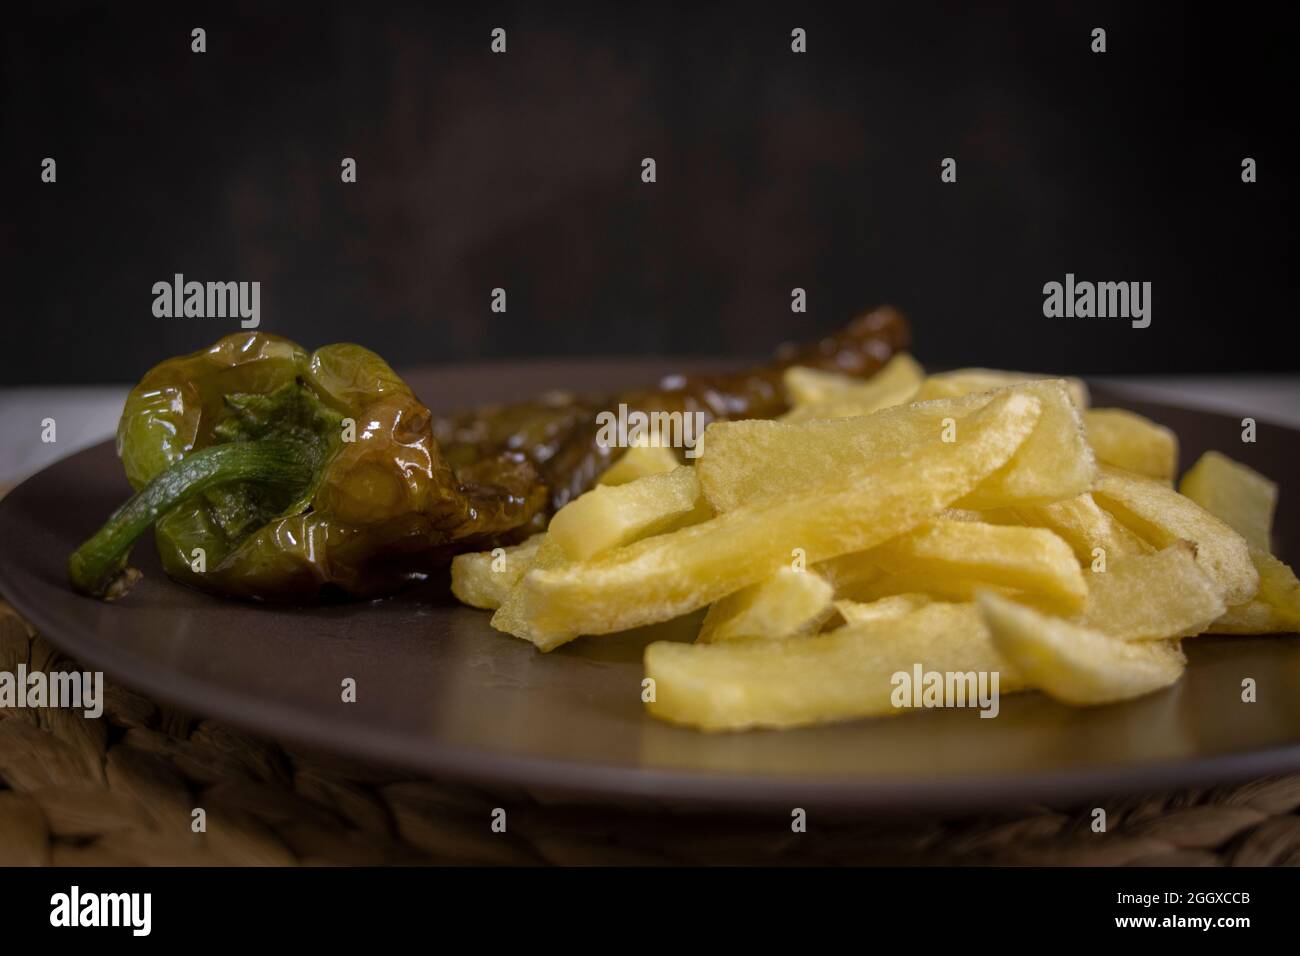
{"type": "Point", "coordinates": [754, 461]}
{"type": "Point", "coordinates": [786, 604]}
{"type": "Point", "coordinates": [1129, 441]}
{"type": "Point", "coordinates": [846, 673]}
{"type": "Point", "coordinates": [876, 499]}
{"type": "Point", "coordinates": [1076, 664]}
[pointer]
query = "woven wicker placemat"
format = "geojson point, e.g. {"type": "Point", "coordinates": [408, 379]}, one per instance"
{"type": "Point", "coordinates": [122, 790]}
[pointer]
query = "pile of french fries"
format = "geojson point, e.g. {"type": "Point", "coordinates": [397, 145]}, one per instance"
{"type": "Point", "coordinates": [971, 521]}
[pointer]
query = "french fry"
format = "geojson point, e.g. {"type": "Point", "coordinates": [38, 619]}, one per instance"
{"type": "Point", "coordinates": [955, 558]}
{"type": "Point", "coordinates": [608, 516]}
{"type": "Point", "coordinates": [639, 461]}
{"type": "Point", "coordinates": [643, 507]}
{"type": "Point", "coordinates": [668, 575]}
{"type": "Point", "coordinates": [1127, 440]}
{"type": "Point", "coordinates": [484, 578]}
{"type": "Point", "coordinates": [968, 381]}
{"type": "Point", "coordinates": [787, 604]}
{"type": "Point", "coordinates": [1275, 609]}
{"type": "Point", "coordinates": [1246, 500]}
{"type": "Point", "coordinates": [511, 615]}
{"type": "Point", "coordinates": [1076, 664]}
{"type": "Point", "coordinates": [840, 675]}
{"type": "Point", "coordinates": [1161, 516]}
{"type": "Point", "coordinates": [818, 394]}
{"type": "Point", "coordinates": [754, 461]}
{"type": "Point", "coordinates": [1253, 617]}
{"type": "Point", "coordinates": [883, 609]}
{"type": "Point", "coordinates": [993, 527]}
{"type": "Point", "coordinates": [1152, 596]}
{"type": "Point", "coordinates": [1083, 525]}
{"type": "Point", "coordinates": [1234, 493]}
{"type": "Point", "coordinates": [808, 386]}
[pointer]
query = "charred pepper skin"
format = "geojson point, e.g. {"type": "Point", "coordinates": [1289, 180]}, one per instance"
{"type": "Point", "coordinates": [559, 436]}
{"type": "Point", "coordinates": [365, 511]}
{"type": "Point", "coordinates": [305, 506]}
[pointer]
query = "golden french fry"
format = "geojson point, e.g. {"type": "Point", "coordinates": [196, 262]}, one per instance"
{"type": "Point", "coordinates": [1152, 596]}
{"type": "Point", "coordinates": [1275, 609]}
{"type": "Point", "coordinates": [787, 604]}
{"type": "Point", "coordinates": [968, 381]}
{"type": "Point", "coordinates": [808, 386]}
{"type": "Point", "coordinates": [882, 609]}
{"type": "Point", "coordinates": [1253, 617]}
{"type": "Point", "coordinates": [608, 516]}
{"type": "Point", "coordinates": [668, 575]}
{"type": "Point", "coordinates": [1161, 516]}
{"type": "Point", "coordinates": [818, 394]}
{"type": "Point", "coordinates": [1278, 588]}
{"type": "Point", "coordinates": [1076, 664]}
{"type": "Point", "coordinates": [484, 578]}
{"type": "Point", "coordinates": [1127, 440]}
{"type": "Point", "coordinates": [1234, 493]}
{"type": "Point", "coordinates": [749, 462]}
{"type": "Point", "coordinates": [840, 675]}
{"type": "Point", "coordinates": [655, 504]}
{"type": "Point", "coordinates": [638, 462]}
{"type": "Point", "coordinates": [512, 614]}
{"type": "Point", "coordinates": [1245, 499]}
{"type": "Point", "coordinates": [956, 558]}
{"type": "Point", "coordinates": [870, 584]}
{"type": "Point", "coordinates": [1094, 534]}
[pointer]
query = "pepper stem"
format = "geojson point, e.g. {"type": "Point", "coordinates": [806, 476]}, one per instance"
{"type": "Point", "coordinates": [99, 567]}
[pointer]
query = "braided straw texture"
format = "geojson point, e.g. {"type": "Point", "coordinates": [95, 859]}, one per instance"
{"type": "Point", "coordinates": [121, 790]}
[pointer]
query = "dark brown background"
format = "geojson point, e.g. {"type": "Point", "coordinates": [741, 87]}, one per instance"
{"type": "Point", "coordinates": [522, 171]}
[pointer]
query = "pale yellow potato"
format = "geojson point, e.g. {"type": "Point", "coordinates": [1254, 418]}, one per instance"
{"type": "Point", "coordinates": [840, 675]}
{"type": "Point", "coordinates": [1076, 664]}
{"type": "Point", "coordinates": [968, 381]}
{"type": "Point", "coordinates": [668, 575]}
{"type": "Point", "coordinates": [1246, 500]}
{"type": "Point", "coordinates": [1081, 522]}
{"type": "Point", "coordinates": [639, 461]}
{"type": "Point", "coordinates": [1275, 609]}
{"type": "Point", "coordinates": [1028, 559]}
{"type": "Point", "coordinates": [1161, 516]}
{"type": "Point", "coordinates": [1278, 587]}
{"type": "Point", "coordinates": [882, 609]}
{"type": "Point", "coordinates": [512, 614]}
{"type": "Point", "coordinates": [1129, 441]}
{"type": "Point", "coordinates": [871, 584]}
{"type": "Point", "coordinates": [817, 394]}
{"type": "Point", "coordinates": [1152, 596]}
{"type": "Point", "coordinates": [1253, 617]}
{"type": "Point", "coordinates": [609, 516]}
{"type": "Point", "coordinates": [807, 386]}
{"type": "Point", "coordinates": [788, 603]}
{"type": "Point", "coordinates": [483, 579]}
{"type": "Point", "coordinates": [956, 558]}
{"type": "Point", "coordinates": [1234, 493]}
{"type": "Point", "coordinates": [753, 461]}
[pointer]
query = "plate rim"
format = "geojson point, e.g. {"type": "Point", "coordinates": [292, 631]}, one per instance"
{"type": "Point", "coordinates": [750, 791]}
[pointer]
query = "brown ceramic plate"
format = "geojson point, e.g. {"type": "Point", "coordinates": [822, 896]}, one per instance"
{"type": "Point", "coordinates": [439, 691]}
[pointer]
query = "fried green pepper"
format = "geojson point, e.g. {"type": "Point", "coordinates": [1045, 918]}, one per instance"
{"type": "Point", "coordinates": [272, 473]}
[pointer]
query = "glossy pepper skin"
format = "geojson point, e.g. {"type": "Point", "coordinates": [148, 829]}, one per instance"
{"type": "Point", "coordinates": [559, 435]}
{"type": "Point", "coordinates": [272, 473]}
{"type": "Point", "coordinates": [336, 480]}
